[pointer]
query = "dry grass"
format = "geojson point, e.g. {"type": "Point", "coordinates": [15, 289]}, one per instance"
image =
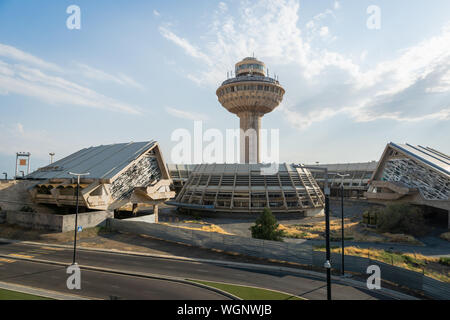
{"type": "Point", "coordinates": [445, 236]}
{"type": "Point", "coordinates": [295, 232]}
{"type": "Point", "coordinates": [401, 238]}
{"type": "Point", "coordinates": [207, 227]}
{"type": "Point", "coordinates": [354, 231]}
{"type": "Point", "coordinates": [411, 261]}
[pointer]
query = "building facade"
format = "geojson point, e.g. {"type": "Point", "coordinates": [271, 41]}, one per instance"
{"type": "Point", "coordinates": [413, 174]}
{"type": "Point", "coordinates": [121, 176]}
{"type": "Point", "coordinates": [355, 182]}
{"type": "Point", "coordinates": [241, 188]}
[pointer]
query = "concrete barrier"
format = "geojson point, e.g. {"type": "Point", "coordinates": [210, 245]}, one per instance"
{"type": "Point", "coordinates": [54, 222]}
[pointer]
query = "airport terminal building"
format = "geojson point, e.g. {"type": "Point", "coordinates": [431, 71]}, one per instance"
{"type": "Point", "coordinates": [241, 188]}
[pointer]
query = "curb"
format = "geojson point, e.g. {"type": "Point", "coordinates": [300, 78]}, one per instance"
{"type": "Point", "coordinates": [40, 292]}
{"type": "Point", "coordinates": [337, 279]}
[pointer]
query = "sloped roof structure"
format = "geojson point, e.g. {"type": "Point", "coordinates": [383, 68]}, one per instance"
{"type": "Point", "coordinates": [102, 162]}
{"type": "Point", "coordinates": [120, 175]}
{"type": "Point", "coordinates": [416, 174]}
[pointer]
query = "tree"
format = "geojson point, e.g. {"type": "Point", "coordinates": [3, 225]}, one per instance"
{"type": "Point", "coordinates": [266, 227]}
{"type": "Point", "coordinates": [402, 218]}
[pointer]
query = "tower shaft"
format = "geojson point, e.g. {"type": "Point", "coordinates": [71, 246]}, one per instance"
{"type": "Point", "coordinates": [250, 126]}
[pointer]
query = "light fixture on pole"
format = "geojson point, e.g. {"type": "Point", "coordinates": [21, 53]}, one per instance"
{"type": "Point", "coordinates": [51, 154]}
{"type": "Point", "coordinates": [326, 190]}
{"type": "Point", "coordinates": [78, 175]}
{"type": "Point", "coordinates": [342, 219]}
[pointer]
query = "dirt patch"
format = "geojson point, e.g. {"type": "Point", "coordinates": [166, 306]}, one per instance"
{"type": "Point", "coordinates": [445, 236]}
{"type": "Point", "coordinates": [15, 232]}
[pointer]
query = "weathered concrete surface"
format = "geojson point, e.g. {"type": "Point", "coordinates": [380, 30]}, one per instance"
{"type": "Point", "coordinates": [14, 195]}
{"type": "Point", "coordinates": [54, 222]}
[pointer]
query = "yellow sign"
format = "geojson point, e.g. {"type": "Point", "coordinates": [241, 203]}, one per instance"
{"type": "Point", "coordinates": [23, 162]}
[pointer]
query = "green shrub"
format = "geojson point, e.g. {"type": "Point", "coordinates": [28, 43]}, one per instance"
{"type": "Point", "coordinates": [401, 218]}
{"type": "Point", "coordinates": [444, 261]}
{"type": "Point", "coordinates": [370, 216]}
{"type": "Point", "coordinates": [266, 227]}
{"type": "Point", "coordinates": [27, 209]}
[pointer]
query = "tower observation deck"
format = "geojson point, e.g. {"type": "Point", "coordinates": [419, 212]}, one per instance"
{"type": "Point", "coordinates": [250, 95]}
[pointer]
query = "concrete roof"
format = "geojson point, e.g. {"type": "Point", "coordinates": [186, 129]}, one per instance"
{"type": "Point", "coordinates": [102, 162]}
{"type": "Point", "coordinates": [343, 167]}
{"type": "Point", "coordinates": [426, 155]}
{"type": "Point", "coordinates": [243, 168]}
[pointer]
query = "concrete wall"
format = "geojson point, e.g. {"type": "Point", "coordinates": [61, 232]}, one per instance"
{"type": "Point", "coordinates": [2, 216]}
{"type": "Point", "coordinates": [58, 223]}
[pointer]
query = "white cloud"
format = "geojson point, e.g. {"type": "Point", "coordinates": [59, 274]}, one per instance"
{"type": "Point", "coordinates": [156, 13]}
{"type": "Point", "coordinates": [24, 75]}
{"type": "Point", "coordinates": [96, 74]}
{"type": "Point", "coordinates": [183, 114]}
{"type": "Point", "coordinates": [324, 31]}
{"type": "Point", "coordinates": [20, 56]}
{"type": "Point", "coordinates": [223, 7]}
{"type": "Point", "coordinates": [403, 88]}
{"type": "Point", "coordinates": [188, 48]}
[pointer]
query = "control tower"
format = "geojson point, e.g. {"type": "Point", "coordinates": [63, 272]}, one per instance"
{"type": "Point", "coordinates": [250, 95]}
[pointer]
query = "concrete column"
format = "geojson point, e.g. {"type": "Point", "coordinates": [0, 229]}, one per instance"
{"type": "Point", "coordinates": [17, 166]}
{"type": "Point", "coordinates": [155, 212]}
{"type": "Point", "coordinates": [250, 125]}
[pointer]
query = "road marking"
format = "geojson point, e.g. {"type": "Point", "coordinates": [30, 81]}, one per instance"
{"type": "Point", "coordinates": [51, 248]}
{"type": "Point", "coordinates": [20, 255]}
{"type": "Point", "coordinates": [39, 251]}
{"type": "Point", "coordinates": [7, 260]}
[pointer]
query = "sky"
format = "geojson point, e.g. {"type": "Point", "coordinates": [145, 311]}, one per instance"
{"type": "Point", "coordinates": [139, 70]}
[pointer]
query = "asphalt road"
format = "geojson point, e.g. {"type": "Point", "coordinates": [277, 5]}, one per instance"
{"type": "Point", "coordinates": [104, 285]}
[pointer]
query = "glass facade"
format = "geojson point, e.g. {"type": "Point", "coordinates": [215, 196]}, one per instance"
{"type": "Point", "coordinates": [249, 66]}
{"type": "Point", "coordinates": [249, 87]}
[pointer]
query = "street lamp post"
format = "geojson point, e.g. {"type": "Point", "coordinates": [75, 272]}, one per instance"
{"type": "Point", "coordinates": [342, 219]}
{"type": "Point", "coordinates": [78, 175]}
{"type": "Point", "coordinates": [326, 190]}
{"type": "Point", "coordinates": [51, 154]}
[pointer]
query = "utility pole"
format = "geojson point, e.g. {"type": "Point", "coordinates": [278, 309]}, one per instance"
{"type": "Point", "coordinates": [78, 175]}
{"type": "Point", "coordinates": [342, 220]}
{"type": "Point", "coordinates": [326, 190]}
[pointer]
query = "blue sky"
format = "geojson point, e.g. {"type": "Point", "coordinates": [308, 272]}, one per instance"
{"type": "Point", "coordinates": [138, 70]}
